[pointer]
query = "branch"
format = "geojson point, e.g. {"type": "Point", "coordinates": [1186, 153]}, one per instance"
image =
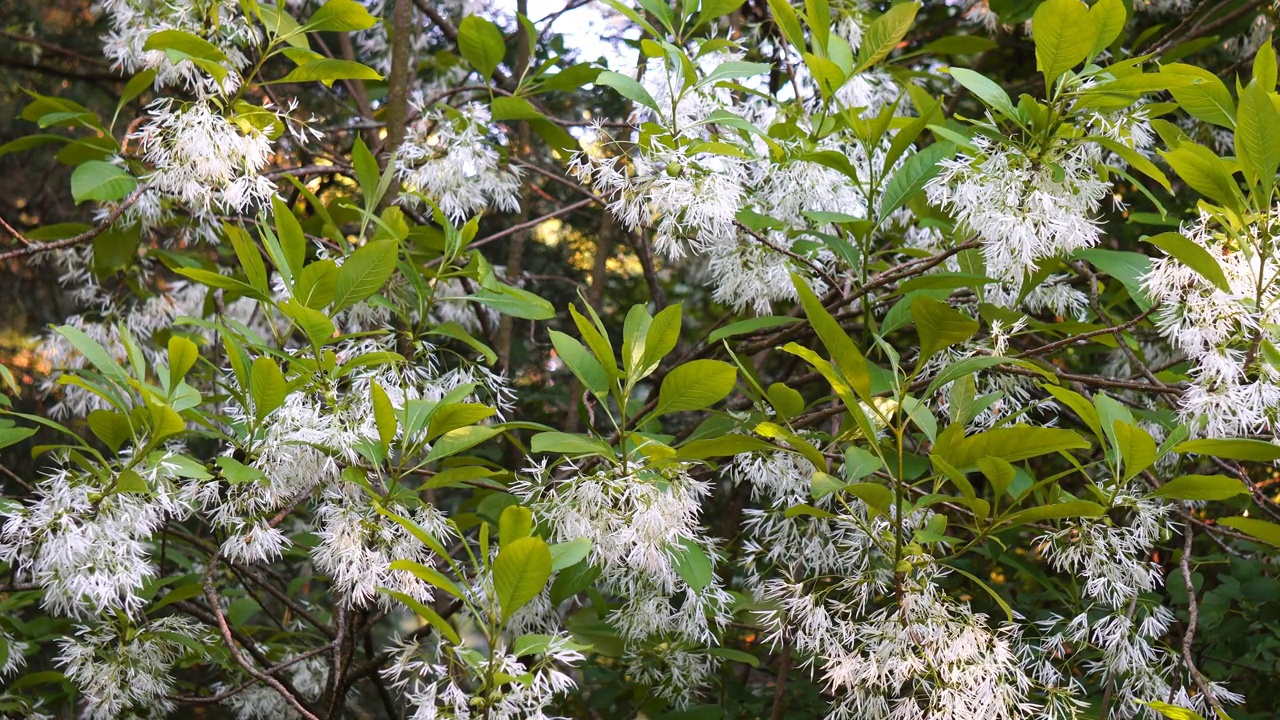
{"type": "Point", "coordinates": [83, 237]}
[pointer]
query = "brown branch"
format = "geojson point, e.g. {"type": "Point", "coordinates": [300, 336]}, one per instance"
{"type": "Point", "coordinates": [83, 237]}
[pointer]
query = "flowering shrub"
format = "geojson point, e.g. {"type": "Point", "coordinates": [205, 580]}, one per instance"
{"type": "Point", "coordinates": [936, 403]}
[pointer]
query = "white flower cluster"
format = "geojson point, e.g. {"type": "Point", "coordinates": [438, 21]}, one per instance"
{"type": "Point", "coordinates": [220, 22]}
{"type": "Point", "coordinates": [124, 673]}
{"type": "Point", "coordinates": [448, 155]}
{"type": "Point", "coordinates": [640, 522]}
{"type": "Point", "coordinates": [438, 680]}
{"type": "Point", "coordinates": [299, 449]}
{"type": "Point", "coordinates": [203, 160]}
{"type": "Point", "coordinates": [1024, 210]}
{"type": "Point", "coordinates": [357, 546]}
{"type": "Point", "coordinates": [1110, 557]}
{"type": "Point", "coordinates": [690, 183]}
{"type": "Point", "coordinates": [1235, 387]}
{"type": "Point", "coordinates": [925, 657]}
{"type": "Point", "coordinates": [89, 545]}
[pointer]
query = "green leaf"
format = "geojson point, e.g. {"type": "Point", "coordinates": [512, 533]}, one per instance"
{"type": "Point", "coordinates": [1108, 22]}
{"type": "Point", "coordinates": [581, 363]}
{"type": "Point", "coordinates": [1232, 449]}
{"type": "Point", "coordinates": [328, 70]}
{"type": "Point", "coordinates": [1064, 36]}
{"type": "Point", "coordinates": [911, 177]}
{"type": "Point", "coordinates": [986, 90]}
{"type": "Point", "coordinates": [513, 108]}
{"type": "Point", "coordinates": [734, 69]}
{"type": "Point", "coordinates": [692, 564]}
{"type": "Point", "coordinates": [314, 324]}
{"type": "Point", "coordinates": [384, 415]}
{"type": "Point", "coordinates": [433, 618]}
{"type": "Point", "coordinates": [185, 43]}
{"type": "Point", "coordinates": [1205, 172]}
{"type": "Point", "coordinates": [1267, 532]}
{"type": "Point", "coordinates": [844, 354]}
{"type": "Point", "coordinates": [236, 472]}
{"type": "Point", "coordinates": [628, 87]}
{"type": "Point", "coordinates": [481, 43]}
{"type": "Point", "coordinates": [567, 554]}
{"type": "Point", "coordinates": [788, 22]}
{"type": "Point", "coordinates": [1080, 405]}
{"type": "Point", "coordinates": [250, 259]}
{"type": "Point", "coordinates": [267, 386]}
{"type": "Point", "coordinates": [1073, 509]}
{"type": "Point", "coordinates": [1201, 487]}
{"type": "Point", "coordinates": [744, 327]}
{"type": "Point", "coordinates": [1208, 100]}
{"type": "Point", "coordinates": [1127, 267]}
{"type": "Point", "coordinates": [455, 441]}
{"type": "Point", "coordinates": [939, 325]}
{"type": "Point", "coordinates": [222, 282]}
{"type": "Point", "coordinates": [137, 85]}
{"type": "Point", "coordinates": [660, 339]}
{"type": "Point", "coordinates": [1257, 137]}
{"type": "Point", "coordinates": [1136, 447]}
{"type": "Point", "coordinates": [999, 473]}
{"type": "Point", "coordinates": [364, 273]}
{"type": "Point", "coordinates": [111, 427]}
{"type": "Point", "coordinates": [12, 435]}
{"type": "Point", "coordinates": [182, 357]}
{"type": "Point", "coordinates": [1173, 712]}
{"type": "Point", "coordinates": [93, 352]}
{"type": "Point", "coordinates": [1014, 443]}
{"type": "Point", "coordinates": [340, 16]}
{"type": "Point", "coordinates": [568, 444]}
{"type": "Point", "coordinates": [884, 34]}
{"type": "Point", "coordinates": [129, 481]}
{"type": "Point", "coordinates": [100, 180]}
{"type": "Point", "coordinates": [317, 284]}
{"type": "Point", "coordinates": [721, 447]}
{"type": "Point", "coordinates": [514, 301]}
{"type": "Point", "coordinates": [695, 385]}
{"type": "Point", "coordinates": [428, 575]}
{"type": "Point", "coordinates": [1004, 605]}
{"type": "Point", "coordinates": [520, 572]}
{"type": "Point", "coordinates": [733, 655]}
{"type": "Point", "coordinates": [972, 365]}
{"type": "Point", "coordinates": [516, 522]}
{"type": "Point", "coordinates": [1264, 66]}
{"type": "Point", "coordinates": [1193, 256]}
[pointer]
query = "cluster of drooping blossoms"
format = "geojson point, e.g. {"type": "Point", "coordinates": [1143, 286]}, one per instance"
{"type": "Point", "coordinates": [1023, 210]}
{"type": "Point", "coordinates": [203, 160]}
{"type": "Point", "coordinates": [436, 678]}
{"type": "Point", "coordinates": [642, 522]}
{"type": "Point", "coordinates": [221, 22]}
{"type": "Point", "coordinates": [121, 672]}
{"type": "Point", "coordinates": [1228, 334]}
{"type": "Point", "coordinates": [88, 544]}
{"type": "Point", "coordinates": [690, 183]}
{"type": "Point", "coordinates": [86, 540]}
{"type": "Point", "coordinates": [884, 650]}
{"type": "Point", "coordinates": [450, 156]}
{"type": "Point", "coordinates": [299, 448]}
{"type": "Point", "coordinates": [1118, 629]}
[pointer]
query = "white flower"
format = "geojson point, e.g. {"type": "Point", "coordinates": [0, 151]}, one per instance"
{"type": "Point", "coordinates": [118, 673]}
{"type": "Point", "coordinates": [204, 160]}
{"type": "Point", "coordinates": [1022, 214]}
{"type": "Point", "coordinates": [448, 156]}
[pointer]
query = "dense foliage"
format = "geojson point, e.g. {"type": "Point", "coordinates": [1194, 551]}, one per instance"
{"type": "Point", "coordinates": [866, 360]}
